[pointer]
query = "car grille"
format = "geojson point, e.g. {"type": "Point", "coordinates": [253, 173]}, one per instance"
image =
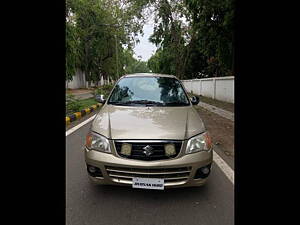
{"type": "Point", "coordinates": [157, 146]}
{"type": "Point", "coordinates": [171, 176]}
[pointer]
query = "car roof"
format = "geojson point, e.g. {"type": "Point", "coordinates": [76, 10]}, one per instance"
{"type": "Point", "coordinates": [148, 75]}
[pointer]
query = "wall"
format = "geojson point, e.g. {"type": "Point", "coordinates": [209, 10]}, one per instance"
{"type": "Point", "coordinates": [220, 88]}
{"type": "Point", "coordinates": [80, 82]}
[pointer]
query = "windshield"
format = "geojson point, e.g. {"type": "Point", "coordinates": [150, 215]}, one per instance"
{"type": "Point", "coordinates": [160, 91]}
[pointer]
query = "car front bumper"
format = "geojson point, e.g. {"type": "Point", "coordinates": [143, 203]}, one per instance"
{"type": "Point", "coordinates": [178, 172]}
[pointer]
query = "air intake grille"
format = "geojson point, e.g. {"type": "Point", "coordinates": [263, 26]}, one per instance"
{"type": "Point", "coordinates": [171, 175]}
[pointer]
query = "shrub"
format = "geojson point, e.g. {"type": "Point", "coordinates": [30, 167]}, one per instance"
{"type": "Point", "coordinates": [103, 90]}
{"type": "Point", "coordinates": [72, 104]}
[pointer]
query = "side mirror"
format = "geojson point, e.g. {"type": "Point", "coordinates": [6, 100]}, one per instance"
{"type": "Point", "coordinates": [100, 99]}
{"type": "Point", "coordinates": [195, 100]}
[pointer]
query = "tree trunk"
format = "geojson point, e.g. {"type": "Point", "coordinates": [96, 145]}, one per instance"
{"type": "Point", "coordinates": [233, 52]}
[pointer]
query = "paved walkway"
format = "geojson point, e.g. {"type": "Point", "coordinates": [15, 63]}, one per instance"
{"type": "Point", "coordinates": [221, 112]}
{"type": "Point", "coordinates": [79, 91]}
{"type": "Point", "coordinates": [82, 94]}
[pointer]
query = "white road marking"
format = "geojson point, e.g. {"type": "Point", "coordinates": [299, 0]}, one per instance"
{"type": "Point", "coordinates": [68, 132]}
{"type": "Point", "coordinates": [229, 173]}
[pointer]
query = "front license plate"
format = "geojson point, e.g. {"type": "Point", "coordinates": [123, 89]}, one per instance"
{"type": "Point", "coordinates": [148, 183]}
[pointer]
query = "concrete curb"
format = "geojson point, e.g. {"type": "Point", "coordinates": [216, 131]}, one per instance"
{"type": "Point", "coordinates": [78, 115]}
{"type": "Point", "coordinates": [221, 112]}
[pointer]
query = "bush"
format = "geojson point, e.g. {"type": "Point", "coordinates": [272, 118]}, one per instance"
{"type": "Point", "coordinates": [72, 104]}
{"type": "Point", "coordinates": [103, 90]}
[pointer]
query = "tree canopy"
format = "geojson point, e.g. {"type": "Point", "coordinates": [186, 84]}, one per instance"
{"type": "Point", "coordinates": [194, 38]}
{"type": "Point", "coordinates": [97, 34]}
{"type": "Point", "coordinates": [133, 65]}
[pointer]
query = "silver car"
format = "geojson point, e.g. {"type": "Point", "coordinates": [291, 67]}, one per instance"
{"type": "Point", "coordinates": [148, 135]}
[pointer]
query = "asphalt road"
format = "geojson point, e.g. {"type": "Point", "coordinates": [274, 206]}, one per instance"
{"type": "Point", "coordinates": [211, 204]}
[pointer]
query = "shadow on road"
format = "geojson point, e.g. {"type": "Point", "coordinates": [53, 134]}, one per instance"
{"type": "Point", "coordinates": [211, 204]}
{"type": "Point", "coordinates": [145, 195]}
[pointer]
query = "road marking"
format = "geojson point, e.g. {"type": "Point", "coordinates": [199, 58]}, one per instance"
{"type": "Point", "coordinates": [229, 173]}
{"type": "Point", "coordinates": [70, 131]}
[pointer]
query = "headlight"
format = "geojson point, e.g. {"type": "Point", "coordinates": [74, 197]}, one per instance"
{"type": "Point", "coordinates": [201, 142]}
{"type": "Point", "coordinates": [97, 142]}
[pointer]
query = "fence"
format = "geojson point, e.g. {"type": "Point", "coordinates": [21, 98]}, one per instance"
{"type": "Point", "coordinates": [219, 88]}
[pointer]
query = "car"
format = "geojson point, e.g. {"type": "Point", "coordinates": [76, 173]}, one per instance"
{"type": "Point", "coordinates": [148, 135]}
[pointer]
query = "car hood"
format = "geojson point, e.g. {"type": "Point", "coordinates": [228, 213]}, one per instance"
{"type": "Point", "coordinates": [127, 122]}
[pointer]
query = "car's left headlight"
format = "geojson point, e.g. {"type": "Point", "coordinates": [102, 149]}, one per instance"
{"type": "Point", "coordinates": [97, 142]}
{"type": "Point", "coordinates": [201, 142]}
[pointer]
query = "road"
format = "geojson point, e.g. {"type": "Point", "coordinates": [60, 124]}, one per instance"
{"type": "Point", "coordinates": [212, 204]}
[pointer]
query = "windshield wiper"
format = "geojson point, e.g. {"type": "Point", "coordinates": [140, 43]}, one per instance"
{"type": "Point", "coordinates": [148, 102]}
{"type": "Point", "coordinates": [117, 103]}
{"type": "Point", "coordinates": [143, 102]}
{"type": "Point", "coordinates": [175, 103]}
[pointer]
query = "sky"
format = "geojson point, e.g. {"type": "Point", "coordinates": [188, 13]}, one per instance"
{"type": "Point", "coordinates": [145, 49]}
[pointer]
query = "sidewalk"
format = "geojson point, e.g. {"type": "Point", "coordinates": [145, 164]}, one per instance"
{"type": "Point", "coordinates": [81, 93]}
{"type": "Point", "coordinates": [78, 91]}
{"type": "Point", "coordinates": [220, 124]}
{"type": "Point", "coordinates": [221, 112]}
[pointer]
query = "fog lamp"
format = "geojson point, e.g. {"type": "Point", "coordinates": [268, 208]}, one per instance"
{"type": "Point", "coordinates": [92, 169]}
{"type": "Point", "coordinates": [205, 170]}
{"type": "Point", "coordinates": [170, 150]}
{"type": "Point", "coordinates": [126, 149]}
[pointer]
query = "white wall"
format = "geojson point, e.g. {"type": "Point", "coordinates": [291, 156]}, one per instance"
{"type": "Point", "coordinates": [220, 88]}
{"type": "Point", "coordinates": [80, 82]}
{"type": "Point", "coordinates": [195, 86]}
{"type": "Point", "coordinates": [207, 86]}
{"type": "Point", "coordinates": [225, 90]}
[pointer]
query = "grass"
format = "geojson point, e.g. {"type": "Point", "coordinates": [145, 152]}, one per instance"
{"type": "Point", "coordinates": [85, 103]}
{"type": "Point", "coordinates": [80, 105]}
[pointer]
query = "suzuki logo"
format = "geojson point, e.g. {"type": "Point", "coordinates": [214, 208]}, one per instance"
{"type": "Point", "coordinates": [148, 150]}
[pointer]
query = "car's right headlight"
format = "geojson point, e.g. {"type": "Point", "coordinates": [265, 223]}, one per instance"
{"type": "Point", "coordinates": [201, 142]}
{"type": "Point", "coordinates": [97, 142]}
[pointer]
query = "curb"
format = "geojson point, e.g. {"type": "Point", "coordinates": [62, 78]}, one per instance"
{"type": "Point", "coordinates": [78, 115]}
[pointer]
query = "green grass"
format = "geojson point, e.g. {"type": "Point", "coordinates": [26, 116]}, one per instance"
{"type": "Point", "coordinates": [78, 105]}
{"type": "Point", "coordinates": [86, 103]}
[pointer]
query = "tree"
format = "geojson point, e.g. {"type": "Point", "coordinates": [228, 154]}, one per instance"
{"type": "Point", "coordinates": [213, 21]}
{"type": "Point", "coordinates": [72, 51]}
{"type": "Point", "coordinates": [194, 37]}
{"type": "Point", "coordinates": [170, 35]}
{"type": "Point", "coordinates": [132, 65]}
{"type": "Point", "coordinates": [103, 28]}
